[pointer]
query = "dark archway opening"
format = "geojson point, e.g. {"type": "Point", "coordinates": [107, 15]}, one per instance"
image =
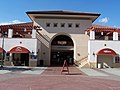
{"type": "Point", "coordinates": [20, 59]}
{"type": "Point", "coordinates": [62, 48]}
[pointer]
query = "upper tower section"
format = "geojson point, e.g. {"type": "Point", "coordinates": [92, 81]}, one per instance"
{"type": "Point", "coordinates": [63, 21]}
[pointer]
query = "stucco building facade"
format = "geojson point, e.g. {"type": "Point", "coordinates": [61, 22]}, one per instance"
{"type": "Point", "coordinates": [55, 36]}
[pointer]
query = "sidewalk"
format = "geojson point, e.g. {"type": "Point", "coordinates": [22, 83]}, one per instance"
{"type": "Point", "coordinates": [51, 79]}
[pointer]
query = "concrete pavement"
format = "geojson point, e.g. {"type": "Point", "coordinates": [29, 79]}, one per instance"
{"type": "Point", "coordinates": [50, 78]}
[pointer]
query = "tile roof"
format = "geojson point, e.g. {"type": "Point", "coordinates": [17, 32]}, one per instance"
{"type": "Point", "coordinates": [29, 26]}
{"type": "Point", "coordinates": [17, 27]}
{"type": "Point", "coordinates": [100, 28]}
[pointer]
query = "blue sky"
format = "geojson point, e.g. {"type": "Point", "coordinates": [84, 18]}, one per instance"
{"type": "Point", "coordinates": [14, 11]}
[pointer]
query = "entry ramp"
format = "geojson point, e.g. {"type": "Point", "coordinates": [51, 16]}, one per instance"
{"type": "Point", "coordinates": [92, 72]}
{"type": "Point", "coordinates": [114, 71]}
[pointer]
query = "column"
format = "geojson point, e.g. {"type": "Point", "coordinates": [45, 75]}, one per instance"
{"type": "Point", "coordinates": [10, 33]}
{"type": "Point", "coordinates": [85, 32]}
{"type": "Point", "coordinates": [92, 35]}
{"type": "Point", "coordinates": [33, 33]}
{"type": "Point", "coordinates": [115, 35]}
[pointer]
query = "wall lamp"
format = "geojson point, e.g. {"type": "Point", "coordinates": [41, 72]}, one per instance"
{"type": "Point", "coordinates": [93, 54]}
{"type": "Point", "coordinates": [37, 28]}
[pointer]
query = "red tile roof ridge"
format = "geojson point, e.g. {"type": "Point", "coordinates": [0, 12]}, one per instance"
{"type": "Point", "coordinates": [102, 26]}
{"type": "Point", "coordinates": [25, 23]}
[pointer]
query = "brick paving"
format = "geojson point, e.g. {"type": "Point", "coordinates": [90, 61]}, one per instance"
{"type": "Point", "coordinates": [51, 79]}
{"type": "Point", "coordinates": [57, 71]}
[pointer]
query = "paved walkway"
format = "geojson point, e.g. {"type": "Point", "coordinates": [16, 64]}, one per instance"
{"type": "Point", "coordinates": [22, 70]}
{"type": "Point", "coordinates": [57, 71]}
{"type": "Point", "coordinates": [51, 79]}
{"type": "Point", "coordinates": [114, 71]}
{"type": "Point", "coordinates": [92, 72]}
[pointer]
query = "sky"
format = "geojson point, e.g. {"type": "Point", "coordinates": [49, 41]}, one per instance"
{"type": "Point", "coordinates": [14, 11]}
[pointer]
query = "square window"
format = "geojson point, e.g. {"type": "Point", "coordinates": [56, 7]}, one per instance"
{"type": "Point", "coordinates": [62, 24]}
{"type": "Point", "coordinates": [69, 25]}
{"type": "Point", "coordinates": [55, 24]}
{"type": "Point", "coordinates": [77, 25]}
{"type": "Point", "coordinates": [47, 24]}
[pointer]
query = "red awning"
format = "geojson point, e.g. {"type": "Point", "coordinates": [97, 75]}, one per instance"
{"type": "Point", "coordinates": [106, 51]}
{"type": "Point", "coordinates": [19, 49]}
{"type": "Point", "coordinates": [1, 50]}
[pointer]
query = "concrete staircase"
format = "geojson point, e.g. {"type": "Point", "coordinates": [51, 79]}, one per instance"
{"type": "Point", "coordinates": [83, 63]}
{"type": "Point", "coordinates": [43, 38]}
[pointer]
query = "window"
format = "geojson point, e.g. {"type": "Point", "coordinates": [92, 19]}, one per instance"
{"type": "Point", "coordinates": [55, 24]}
{"type": "Point", "coordinates": [77, 25]}
{"type": "Point", "coordinates": [69, 25]}
{"type": "Point", "coordinates": [62, 24]}
{"type": "Point", "coordinates": [117, 59]}
{"type": "Point", "coordinates": [47, 24]}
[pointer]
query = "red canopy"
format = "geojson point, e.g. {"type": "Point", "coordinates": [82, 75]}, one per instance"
{"type": "Point", "coordinates": [106, 51]}
{"type": "Point", "coordinates": [19, 49]}
{"type": "Point", "coordinates": [1, 50]}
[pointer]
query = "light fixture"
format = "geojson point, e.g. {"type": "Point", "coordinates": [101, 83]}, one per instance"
{"type": "Point", "coordinates": [78, 54]}
{"type": "Point", "coordinates": [93, 54]}
{"type": "Point", "coordinates": [37, 28]}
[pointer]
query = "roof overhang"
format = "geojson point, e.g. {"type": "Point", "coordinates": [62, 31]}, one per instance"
{"type": "Point", "coordinates": [63, 15]}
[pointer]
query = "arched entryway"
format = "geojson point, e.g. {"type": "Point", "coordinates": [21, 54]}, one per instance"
{"type": "Point", "coordinates": [20, 56]}
{"type": "Point", "coordinates": [62, 48]}
{"type": "Point", "coordinates": [105, 58]}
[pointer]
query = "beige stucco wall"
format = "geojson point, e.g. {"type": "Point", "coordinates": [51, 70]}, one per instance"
{"type": "Point", "coordinates": [84, 24]}
{"type": "Point", "coordinates": [80, 40]}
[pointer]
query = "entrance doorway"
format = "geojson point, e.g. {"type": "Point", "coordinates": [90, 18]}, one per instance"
{"type": "Point", "coordinates": [20, 56]}
{"type": "Point", "coordinates": [62, 48]}
{"type": "Point", "coordinates": [58, 57]}
{"type": "Point", "coordinates": [105, 58]}
{"type": "Point", "coordinates": [20, 59]}
{"type": "Point", "coordinates": [105, 61]}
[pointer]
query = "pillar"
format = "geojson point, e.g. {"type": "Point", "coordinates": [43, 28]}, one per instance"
{"type": "Point", "coordinates": [10, 33]}
{"type": "Point", "coordinates": [33, 33]}
{"type": "Point", "coordinates": [92, 35]}
{"type": "Point", "coordinates": [85, 32]}
{"type": "Point", "coordinates": [115, 35]}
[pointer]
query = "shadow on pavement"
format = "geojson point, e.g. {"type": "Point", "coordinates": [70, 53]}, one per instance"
{"type": "Point", "coordinates": [13, 69]}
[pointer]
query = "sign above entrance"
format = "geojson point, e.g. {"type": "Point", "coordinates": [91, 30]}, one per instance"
{"type": "Point", "coordinates": [19, 49]}
{"type": "Point", "coordinates": [106, 51]}
{"type": "Point", "coordinates": [62, 47]}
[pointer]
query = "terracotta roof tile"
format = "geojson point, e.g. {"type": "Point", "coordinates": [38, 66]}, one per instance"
{"type": "Point", "coordinates": [29, 26]}
{"type": "Point", "coordinates": [17, 27]}
{"type": "Point", "coordinates": [100, 28]}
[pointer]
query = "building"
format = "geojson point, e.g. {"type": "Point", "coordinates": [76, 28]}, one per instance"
{"type": "Point", "coordinates": [103, 46]}
{"type": "Point", "coordinates": [55, 36]}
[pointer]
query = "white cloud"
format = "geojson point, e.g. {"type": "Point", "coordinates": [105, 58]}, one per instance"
{"type": "Point", "coordinates": [11, 22]}
{"type": "Point", "coordinates": [104, 20]}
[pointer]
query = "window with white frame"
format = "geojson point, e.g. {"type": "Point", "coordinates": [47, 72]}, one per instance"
{"type": "Point", "coordinates": [117, 59]}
